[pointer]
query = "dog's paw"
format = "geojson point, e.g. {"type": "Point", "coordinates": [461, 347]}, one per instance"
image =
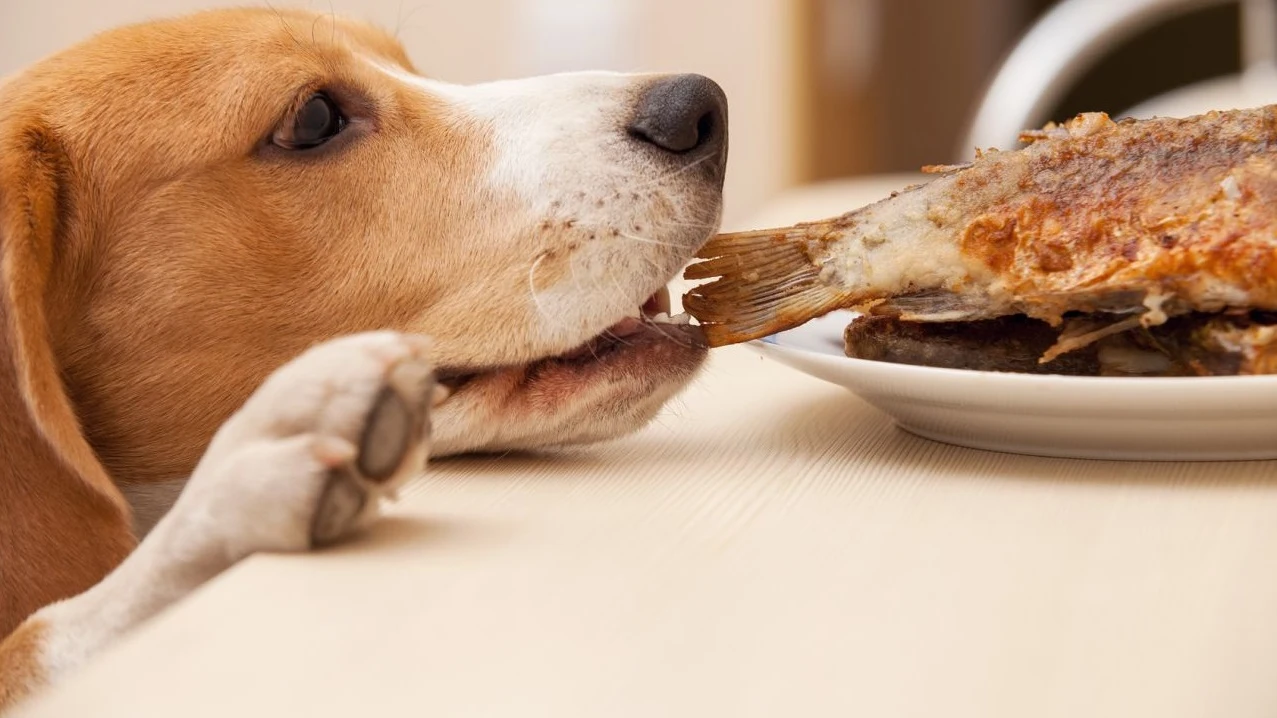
{"type": "Point", "coordinates": [309, 455]}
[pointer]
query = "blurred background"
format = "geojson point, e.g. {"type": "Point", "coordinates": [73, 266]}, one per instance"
{"type": "Point", "coordinates": [819, 89]}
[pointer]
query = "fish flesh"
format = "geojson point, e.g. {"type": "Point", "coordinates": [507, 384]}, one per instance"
{"type": "Point", "coordinates": [1189, 345]}
{"type": "Point", "coordinates": [1094, 227]}
{"type": "Point", "coordinates": [1006, 344]}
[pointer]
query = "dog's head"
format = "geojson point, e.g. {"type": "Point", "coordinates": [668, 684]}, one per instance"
{"type": "Point", "coordinates": [218, 192]}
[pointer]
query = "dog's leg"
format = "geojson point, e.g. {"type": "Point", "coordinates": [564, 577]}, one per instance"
{"type": "Point", "coordinates": [302, 463]}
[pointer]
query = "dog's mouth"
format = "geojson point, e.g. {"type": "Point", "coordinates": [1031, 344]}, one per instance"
{"type": "Point", "coordinates": [650, 330]}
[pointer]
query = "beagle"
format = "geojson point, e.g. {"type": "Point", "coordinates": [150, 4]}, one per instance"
{"type": "Point", "coordinates": [253, 267]}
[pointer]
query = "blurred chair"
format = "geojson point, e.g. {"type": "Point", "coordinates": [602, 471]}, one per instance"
{"type": "Point", "coordinates": [1073, 35]}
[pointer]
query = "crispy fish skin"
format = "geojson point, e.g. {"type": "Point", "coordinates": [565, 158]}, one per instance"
{"type": "Point", "coordinates": [1156, 217]}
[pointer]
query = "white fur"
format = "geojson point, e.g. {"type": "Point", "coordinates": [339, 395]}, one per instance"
{"type": "Point", "coordinates": [257, 489]}
{"type": "Point", "coordinates": [562, 148]}
{"type": "Point", "coordinates": [552, 131]}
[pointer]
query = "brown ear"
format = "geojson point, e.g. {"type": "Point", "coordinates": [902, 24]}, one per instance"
{"type": "Point", "coordinates": [63, 523]}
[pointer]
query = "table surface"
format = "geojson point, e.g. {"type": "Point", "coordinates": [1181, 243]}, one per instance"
{"type": "Point", "coordinates": [771, 546]}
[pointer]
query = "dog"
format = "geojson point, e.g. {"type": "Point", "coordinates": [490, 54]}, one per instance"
{"type": "Point", "coordinates": [254, 268]}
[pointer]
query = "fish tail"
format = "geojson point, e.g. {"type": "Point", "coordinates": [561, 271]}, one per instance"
{"type": "Point", "coordinates": [765, 281]}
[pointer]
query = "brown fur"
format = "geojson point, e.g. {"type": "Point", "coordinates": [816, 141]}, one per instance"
{"type": "Point", "coordinates": [186, 213]}
{"type": "Point", "coordinates": [19, 664]}
{"type": "Point", "coordinates": [63, 524]}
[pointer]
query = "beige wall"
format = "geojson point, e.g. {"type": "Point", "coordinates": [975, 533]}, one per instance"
{"type": "Point", "coordinates": [747, 45]}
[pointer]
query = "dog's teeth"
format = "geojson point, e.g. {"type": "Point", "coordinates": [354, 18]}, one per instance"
{"type": "Point", "coordinates": [663, 318]}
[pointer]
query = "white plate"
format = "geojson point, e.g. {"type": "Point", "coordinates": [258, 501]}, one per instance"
{"type": "Point", "coordinates": [1149, 419]}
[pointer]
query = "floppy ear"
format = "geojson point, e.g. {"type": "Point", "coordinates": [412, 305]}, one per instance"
{"type": "Point", "coordinates": [63, 523]}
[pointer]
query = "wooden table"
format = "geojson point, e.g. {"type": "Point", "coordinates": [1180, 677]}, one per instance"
{"type": "Point", "coordinates": [770, 547]}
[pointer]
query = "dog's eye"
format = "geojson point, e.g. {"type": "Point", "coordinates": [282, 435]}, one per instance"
{"type": "Point", "coordinates": [318, 121]}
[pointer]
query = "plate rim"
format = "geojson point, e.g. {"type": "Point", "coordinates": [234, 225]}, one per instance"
{"type": "Point", "coordinates": [1171, 419]}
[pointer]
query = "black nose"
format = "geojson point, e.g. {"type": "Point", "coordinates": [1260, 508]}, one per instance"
{"type": "Point", "coordinates": [682, 114]}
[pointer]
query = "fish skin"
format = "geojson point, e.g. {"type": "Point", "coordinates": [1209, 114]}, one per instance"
{"type": "Point", "coordinates": [1156, 217]}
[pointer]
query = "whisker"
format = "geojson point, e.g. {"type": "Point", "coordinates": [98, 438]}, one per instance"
{"type": "Point", "coordinates": [283, 23]}
{"type": "Point", "coordinates": [607, 334]}
{"type": "Point", "coordinates": [580, 292]}
{"type": "Point", "coordinates": [598, 287]}
{"type": "Point", "coordinates": [401, 21]}
{"type": "Point", "coordinates": [711, 220]}
{"type": "Point", "coordinates": [315, 23]}
{"type": "Point", "coordinates": [689, 225]}
{"type": "Point", "coordinates": [532, 287]}
{"type": "Point", "coordinates": [645, 240]}
{"type": "Point", "coordinates": [674, 173]}
{"type": "Point", "coordinates": [648, 240]}
{"type": "Point", "coordinates": [576, 280]}
{"type": "Point", "coordinates": [621, 290]}
{"type": "Point", "coordinates": [669, 334]}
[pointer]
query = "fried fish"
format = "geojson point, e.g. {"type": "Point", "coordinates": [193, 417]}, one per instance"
{"type": "Point", "coordinates": [1094, 228]}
